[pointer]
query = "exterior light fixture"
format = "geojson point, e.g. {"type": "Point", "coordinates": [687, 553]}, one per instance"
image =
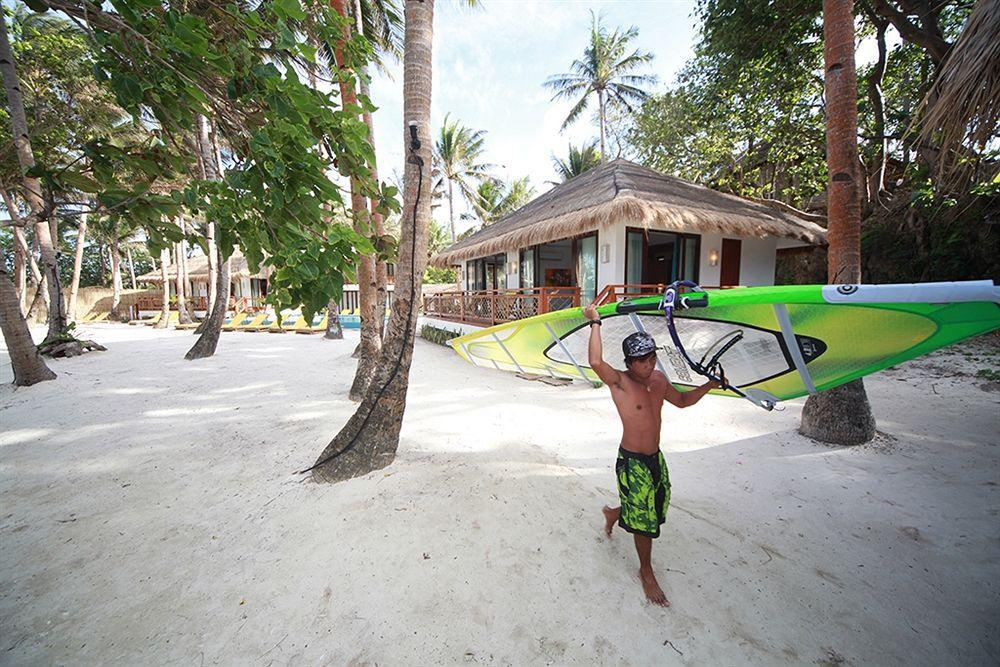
{"type": "Point", "coordinates": [713, 257]}
{"type": "Point", "coordinates": [605, 253]}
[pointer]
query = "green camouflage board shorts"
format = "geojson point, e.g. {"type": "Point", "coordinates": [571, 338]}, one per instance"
{"type": "Point", "coordinates": [644, 489]}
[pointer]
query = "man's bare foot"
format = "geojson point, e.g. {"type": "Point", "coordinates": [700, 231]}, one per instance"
{"type": "Point", "coordinates": [652, 589]}
{"type": "Point", "coordinates": [610, 517]}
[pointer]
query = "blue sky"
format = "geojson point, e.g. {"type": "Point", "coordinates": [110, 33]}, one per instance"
{"type": "Point", "coordinates": [490, 64]}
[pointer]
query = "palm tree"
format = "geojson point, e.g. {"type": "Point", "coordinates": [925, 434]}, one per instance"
{"type": "Point", "coordinates": [42, 219]}
{"type": "Point", "coordinates": [495, 199]}
{"type": "Point", "coordinates": [841, 415]}
{"type": "Point", "coordinates": [457, 154]}
{"type": "Point", "coordinates": [578, 161]}
{"type": "Point", "coordinates": [369, 439]}
{"type": "Point", "coordinates": [605, 71]}
{"type": "Point", "coordinates": [371, 341]}
{"type": "Point", "coordinates": [211, 327]}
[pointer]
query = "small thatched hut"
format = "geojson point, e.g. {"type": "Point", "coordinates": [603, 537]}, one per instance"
{"type": "Point", "coordinates": [251, 286]}
{"type": "Point", "coordinates": [621, 224]}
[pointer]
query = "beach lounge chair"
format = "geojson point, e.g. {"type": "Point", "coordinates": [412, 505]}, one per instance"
{"type": "Point", "coordinates": [238, 316]}
{"type": "Point", "coordinates": [231, 325]}
{"type": "Point", "coordinates": [173, 319]}
{"type": "Point", "coordinates": [318, 325]}
{"type": "Point", "coordinates": [189, 325]}
{"type": "Point", "coordinates": [269, 321]}
{"type": "Point", "coordinates": [290, 322]}
{"type": "Point", "coordinates": [253, 323]}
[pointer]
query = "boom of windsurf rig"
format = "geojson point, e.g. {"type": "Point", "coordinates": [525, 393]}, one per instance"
{"type": "Point", "coordinates": [710, 368]}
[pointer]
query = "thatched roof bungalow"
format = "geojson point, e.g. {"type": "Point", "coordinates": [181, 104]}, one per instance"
{"type": "Point", "coordinates": [624, 224]}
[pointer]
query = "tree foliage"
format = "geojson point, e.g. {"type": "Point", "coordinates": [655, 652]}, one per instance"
{"type": "Point", "coordinates": [747, 116]}
{"type": "Point", "coordinates": [240, 66]}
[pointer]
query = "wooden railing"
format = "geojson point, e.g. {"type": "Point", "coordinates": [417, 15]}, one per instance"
{"type": "Point", "coordinates": [495, 306]}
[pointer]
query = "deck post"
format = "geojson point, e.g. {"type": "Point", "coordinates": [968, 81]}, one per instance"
{"type": "Point", "coordinates": [544, 305]}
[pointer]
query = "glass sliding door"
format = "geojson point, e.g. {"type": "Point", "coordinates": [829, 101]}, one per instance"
{"type": "Point", "coordinates": [586, 268]}
{"type": "Point", "coordinates": [528, 267]}
{"type": "Point", "coordinates": [659, 258]}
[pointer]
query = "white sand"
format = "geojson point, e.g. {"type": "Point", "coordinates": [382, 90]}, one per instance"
{"type": "Point", "coordinates": [150, 516]}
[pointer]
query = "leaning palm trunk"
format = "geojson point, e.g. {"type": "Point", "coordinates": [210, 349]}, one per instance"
{"type": "Point", "coordinates": [74, 286]}
{"type": "Point", "coordinates": [371, 340]}
{"type": "Point", "coordinates": [165, 308]}
{"type": "Point", "coordinates": [209, 339]}
{"type": "Point", "coordinates": [369, 439]}
{"type": "Point", "coordinates": [29, 367]}
{"type": "Point", "coordinates": [843, 415]}
{"type": "Point", "coordinates": [211, 327]}
{"type": "Point", "coordinates": [32, 186]}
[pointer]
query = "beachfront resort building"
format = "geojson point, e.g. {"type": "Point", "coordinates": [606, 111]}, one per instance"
{"type": "Point", "coordinates": [615, 231]}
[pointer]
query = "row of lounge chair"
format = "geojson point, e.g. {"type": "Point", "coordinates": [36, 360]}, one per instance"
{"type": "Point", "coordinates": [244, 321]}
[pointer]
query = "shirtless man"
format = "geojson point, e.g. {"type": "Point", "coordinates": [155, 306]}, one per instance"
{"type": "Point", "coordinates": [643, 481]}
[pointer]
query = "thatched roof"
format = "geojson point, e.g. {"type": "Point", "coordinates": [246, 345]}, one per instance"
{"type": "Point", "coordinates": [624, 192]}
{"type": "Point", "coordinates": [198, 270]}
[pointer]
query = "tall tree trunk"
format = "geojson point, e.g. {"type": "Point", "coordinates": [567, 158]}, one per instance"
{"type": "Point", "coordinates": [843, 415]}
{"type": "Point", "coordinates": [381, 270]}
{"type": "Point", "coordinates": [116, 280]}
{"type": "Point", "coordinates": [183, 316]}
{"type": "Point", "coordinates": [369, 439]}
{"type": "Point", "coordinates": [213, 267]}
{"type": "Point", "coordinates": [188, 294]}
{"type": "Point", "coordinates": [211, 328]}
{"type": "Point", "coordinates": [29, 367]}
{"type": "Point", "coordinates": [209, 339]}
{"type": "Point", "coordinates": [20, 248]}
{"type": "Point", "coordinates": [371, 340]}
{"type": "Point", "coordinates": [74, 285]}
{"type": "Point", "coordinates": [600, 113]}
{"type": "Point", "coordinates": [334, 330]}
{"type": "Point", "coordinates": [131, 265]}
{"type": "Point", "coordinates": [876, 179]}
{"type": "Point", "coordinates": [32, 186]}
{"type": "Point", "coordinates": [20, 266]}
{"type": "Point", "coordinates": [165, 276]}
{"type": "Point", "coordinates": [451, 211]}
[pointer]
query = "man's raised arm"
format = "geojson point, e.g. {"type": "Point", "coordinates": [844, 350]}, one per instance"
{"type": "Point", "coordinates": [608, 375]}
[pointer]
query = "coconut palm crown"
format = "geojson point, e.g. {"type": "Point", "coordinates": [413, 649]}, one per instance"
{"type": "Point", "coordinates": [457, 160]}
{"type": "Point", "coordinates": [495, 198]}
{"type": "Point", "coordinates": [605, 71]}
{"type": "Point", "coordinates": [579, 160]}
